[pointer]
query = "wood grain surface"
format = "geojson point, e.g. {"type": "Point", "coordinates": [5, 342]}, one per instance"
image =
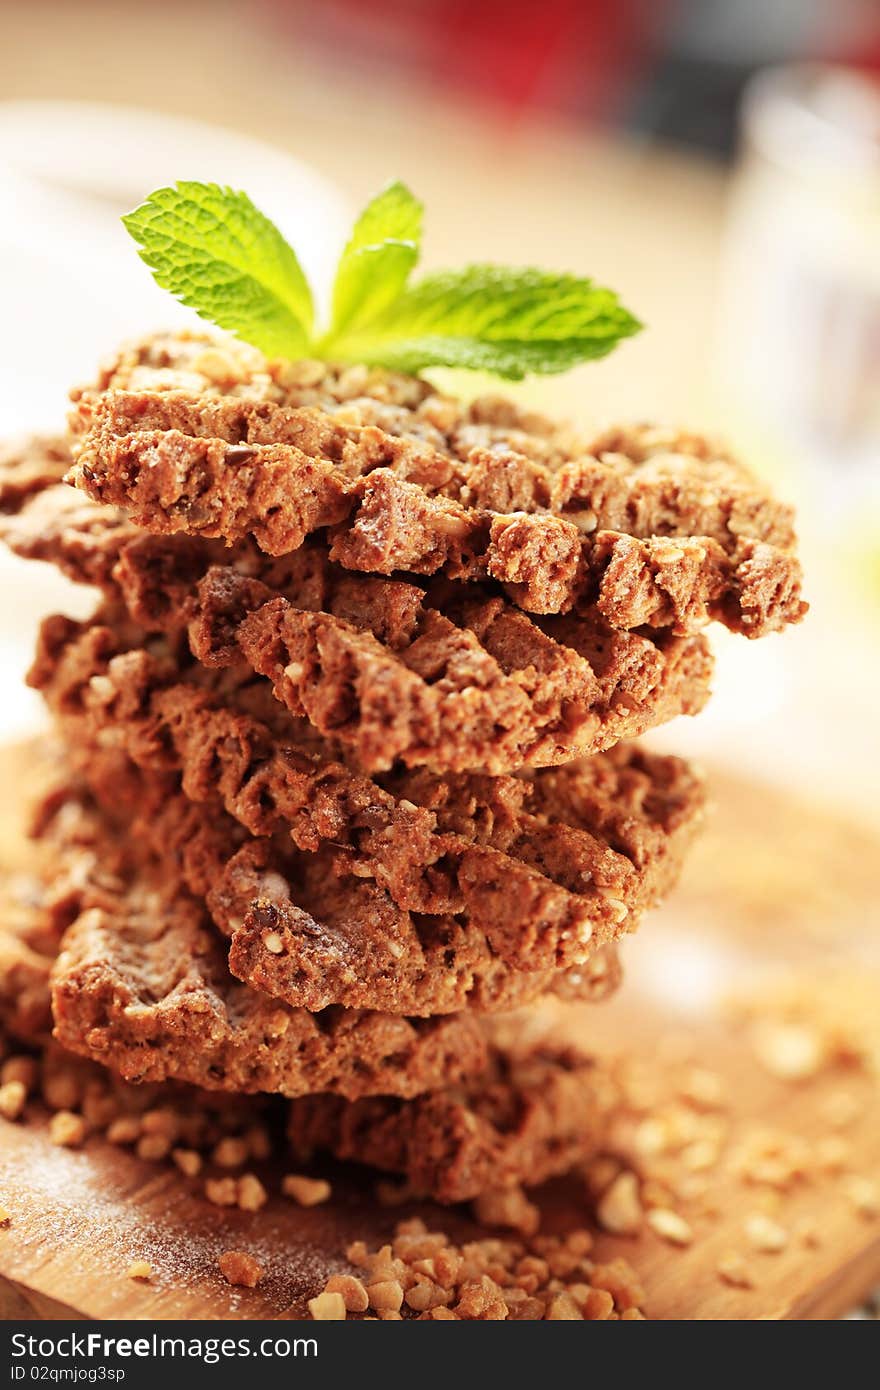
{"type": "Point", "coordinates": [775, 889]}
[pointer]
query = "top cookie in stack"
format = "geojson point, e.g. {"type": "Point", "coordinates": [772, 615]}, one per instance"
{"type": "Point", "coordinates": [651, 528]}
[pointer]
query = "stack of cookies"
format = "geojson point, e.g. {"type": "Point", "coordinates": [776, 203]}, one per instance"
{"type": "Point", "coordinates": [345, 772]}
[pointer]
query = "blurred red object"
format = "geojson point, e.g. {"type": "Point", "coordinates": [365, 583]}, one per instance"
{"type": "Point", "coordinates": [569, 55]}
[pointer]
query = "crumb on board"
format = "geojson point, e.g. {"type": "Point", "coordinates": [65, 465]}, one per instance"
{"type": "Point", "coordinates": [238, 1267]}
{"type": "Point", "coordinates": [425, 1275]}
{"type": "Point", "coordinates": [139, 1269]}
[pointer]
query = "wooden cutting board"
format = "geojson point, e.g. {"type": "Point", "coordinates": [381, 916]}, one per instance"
{"type": "Point", "coordinates": [773, 887]}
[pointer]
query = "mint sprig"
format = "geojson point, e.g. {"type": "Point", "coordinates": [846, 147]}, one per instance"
{"type": "Point", "coordinates": [216, 252]}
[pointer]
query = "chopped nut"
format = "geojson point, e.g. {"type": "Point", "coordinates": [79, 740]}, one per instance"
{"type": "Point", "coordinates": [162, 1121]}
{"type": "Point", "coordinates": [231, 1153]}
{"type": "Point", "coordinates": [67, 1129]}
{"type": "Point", "coordinates": [273, 943]}
{"type": "Point", "coordinates": [307, 1192]}
{"type": "Point", "coordinates": [386, 1296]}
{"type": "Point", "coordinates": [352, 1291]}
{"type": "Point", "coordinates": [13, 1095]}
{"type": "Point", "coordinates": [864, 1193]}
{"type": "Point", "coordinates": [703, 1088]}
{"type": "Point", "coordinates": [237, 1267]}
{"type": "Point", "coordinates": [734, 1271]}
{"type": "Point", "coordinates": [563, 1308]}
{"type": "Point", "coordinates": [188, 1161]}
{"type": "Point", "coordinates": [620, 1210]}
{"type": "Point", "coordinates": [5, 1216]}
{"type": "Point", "coordinates": [669, 1226]}
{"type": "Point", "coordinates": [223, 1192]}
{"type": "Point", "coordinates": [765, 1234]}
{"type": "Point", "coordinates": [701, 1155]}
{"type": "Point", "coordinates": [139, 1269]}
{"type": "Point", "coordinates": [218, 366]}
{"type": "Point", "coordinates": [507, 1206]}
{"type": "Point", "coordinates": [153, 1147]}
{"type": "Point", "coordinates": [596, 1305]}
{"type": "Point", "coordinates": [252, 1195]}
{"type": "Point", "coordinates": [125, 1130]}
{"type": "Point", "coordinates": [789, 1051]}
{"type": "Point", "coordinates": [424, 1295]}
{"type": "Point", "coordinates": [491, 1279]}
{"type": "Point", "coordinates": [327, 1307]}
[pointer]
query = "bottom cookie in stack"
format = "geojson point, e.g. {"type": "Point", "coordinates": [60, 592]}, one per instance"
{"type": "Point", "coordinates": [458, 1107]}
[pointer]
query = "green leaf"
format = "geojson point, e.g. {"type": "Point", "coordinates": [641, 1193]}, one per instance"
{"type": "Point", "coordinates": [376, 263]}
{"type": "Point", "coordinates": [221, 256]}
{"type": "Point", "coordinates": [501, 320]}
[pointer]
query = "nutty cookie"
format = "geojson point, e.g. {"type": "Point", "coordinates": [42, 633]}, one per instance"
{"type": "Point", "coordinates": [661, 528]}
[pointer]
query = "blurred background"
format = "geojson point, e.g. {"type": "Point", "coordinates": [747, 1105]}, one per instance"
{"type": "Point", "coordinates": [715, 161]}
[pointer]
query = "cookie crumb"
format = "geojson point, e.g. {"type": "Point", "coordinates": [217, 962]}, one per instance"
{"type": "Point", "coordinates": [139, 1269]}
{"type": "Point", "coordinates": [237, 1267]}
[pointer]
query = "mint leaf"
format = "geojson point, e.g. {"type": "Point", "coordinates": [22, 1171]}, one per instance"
{"type": "Point", "coordinates": [218, 254]}
{"type": "Point", "coordinates": [377, 261]}
{"type": "Point", "coordinates": [501, 320]}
